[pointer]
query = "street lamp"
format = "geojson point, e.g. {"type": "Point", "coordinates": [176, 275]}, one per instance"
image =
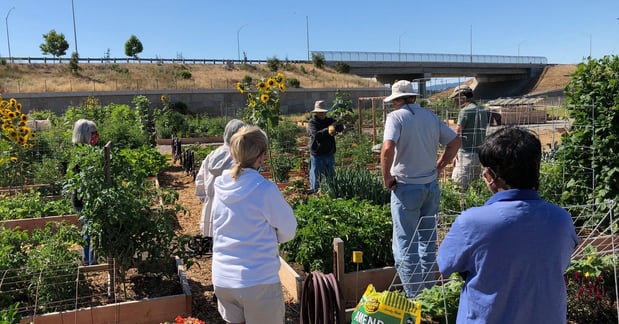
{"type": "Point", "coordinates": [400, 45]}
{"type": "Point", "coordinates": [74, 30]}
{"type": "Point", "coordinates": [238, 44]}
{"type": "Point", "coordinates": [8, 42]}
{"type": "Point", "coordinates": [519, 50]}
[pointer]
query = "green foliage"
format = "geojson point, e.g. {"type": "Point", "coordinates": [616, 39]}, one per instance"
{"type": "Point", "coordinates": [133, 47]}
{"type": "Point", "coordinates": [147, 116]}
{"type": "Point", "coordinates": [588, 151]}
{"type": "Point", "coordinates": [436, 300]}
{"type": "Point", "coordinates": [342, 110]}
{"type": "Point", "coordinates": [184, 74]}
{"type": "Point", "coordinates": [115, 122]}
{"type": "Point", "coordinates": [590, 288]}
{"type": "Point", "coordinates": [55, 44]}
{"type": "Point", "coordinates": [354, 150]}
{"type": "Point", "coordinates": [293, 83]}
{"type": "Point", "coordinates": [356, 183]}
{"type": "Point", "coordinates": [123, 216]}
{"type": "Point", "coordinates": [247, 79]}
{"type": "Point", "coordinates": [342, 67]}
{"type": "Point", "coordinates": [10, 315]}
{"type": "Point", "coordinates": [551, 181]}
{"type": "Point", "coordinates": [318, 60]}
{"type": "Point", "coordinates": [283, 139]}
{"type": "Point", "coordinates": [454, 200]}
{"type": "Point", "coordinates": [35, 267]}
{"type": "Point", "coordinates": [32, 204]}
{"type": "Point", "coordinates": [361, 224]}
{"type": "Point", "coordinates": [74, 63]}
{"type": "Point", "coordinates": [280, 166]}
{"type": "Point", "coordinates": [273, 64]}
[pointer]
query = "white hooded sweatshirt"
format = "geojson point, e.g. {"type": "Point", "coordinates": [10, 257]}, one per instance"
{"type": "Point", "coordinates": [250, 218]}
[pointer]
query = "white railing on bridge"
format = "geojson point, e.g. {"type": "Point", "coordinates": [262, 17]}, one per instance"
{"type": "Point", "coordinates": [428, 57]}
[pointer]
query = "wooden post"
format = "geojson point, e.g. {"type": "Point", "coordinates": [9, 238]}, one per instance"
{"type": "Point", "coordinates": [338, 270]}
{"type": "Point", "coordinates": [108, 171]}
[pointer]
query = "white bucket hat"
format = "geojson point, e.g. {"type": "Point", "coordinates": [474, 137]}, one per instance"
{"type": "Point", "coordinates": [319, 106]}
{"type": "Point", "coordinates": [401, 88]}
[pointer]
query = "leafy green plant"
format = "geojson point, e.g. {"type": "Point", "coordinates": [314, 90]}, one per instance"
{"type": "Point", "coordinates": [361, 224]}
{"type": "Point", "coordinates": [441, 299]}
{"type": "Point", "coordinates": [123, 215]}
{"type": "Point", "coordinates": [358, 184]}
{"type": "Point", "coordinates": [590, 288]}
{"type": "Point", "coordinates": [319, 60]}
{"type": "Point", "coordinates": [589, 153]}
{"type": "Point", "coordinates": [10, 315]}
{"type": "Point", "coordinates": [280, 166]}
{"type": "Point", "coordinates": [33, 205]}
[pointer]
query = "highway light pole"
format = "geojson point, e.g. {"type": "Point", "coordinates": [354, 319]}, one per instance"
{"type": "Point", "coordinates": [74, 30]}
{"type": "Point", "coordinates": [400, 46]}
{"type": "Point", "coordinates": [238, 43]}
{"type": "Point", "coordinates": [8, 42]}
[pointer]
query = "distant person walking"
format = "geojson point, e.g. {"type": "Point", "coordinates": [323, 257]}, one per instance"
{"type": "Point", "coordinates": [410, 170]}
{"type": "Point", "coordinates": [472, 125]}
{"type": "Point", "coordinates": [322, 130]}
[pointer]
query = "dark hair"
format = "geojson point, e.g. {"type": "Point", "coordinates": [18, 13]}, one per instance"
{"type": "Point", "coordinates": [514, 155]}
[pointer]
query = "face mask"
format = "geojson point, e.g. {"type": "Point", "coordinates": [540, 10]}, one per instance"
{"type": "Point", "coordinates": [94, 138]}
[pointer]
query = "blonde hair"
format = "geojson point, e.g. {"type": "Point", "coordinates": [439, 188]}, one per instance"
{"type": "Point", "coordinates": [246, 146]}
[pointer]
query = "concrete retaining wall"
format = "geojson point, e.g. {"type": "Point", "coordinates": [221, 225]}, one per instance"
{"type": "Point", "coordinates": [222, 102]}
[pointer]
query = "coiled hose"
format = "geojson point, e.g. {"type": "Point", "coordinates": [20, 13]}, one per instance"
{"type": "Point", "coordinates": [320, 299]}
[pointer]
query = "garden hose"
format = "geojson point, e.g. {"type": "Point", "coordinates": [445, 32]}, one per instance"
{"type": "Point", "coordinates": [320, 299]}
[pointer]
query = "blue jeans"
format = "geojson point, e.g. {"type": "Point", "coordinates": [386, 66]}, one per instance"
{"type": "Point", "coordinates": [413, 210]}
{"type": "Point", "coordinates": [320, 166]}
{"type": "Point", "coordinates": [88, 254]}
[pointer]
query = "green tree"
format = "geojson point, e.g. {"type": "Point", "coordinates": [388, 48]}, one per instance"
{"type": "Point", "coordinates": [319, 60]}
{"type": "Point", "coordinates": [133, 46]}
{"type": "Point", "coordinates": [74, 63]}
{"type": "Point", "coordinates": [54, 44]}
{"type": "Point", "coordinates": [589, 150]}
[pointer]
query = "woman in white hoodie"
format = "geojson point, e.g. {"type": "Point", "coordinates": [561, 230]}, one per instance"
{"type": "Point", "coordinates": [213, 165]}
{"type": "Point", "coordinates": [250, 218]}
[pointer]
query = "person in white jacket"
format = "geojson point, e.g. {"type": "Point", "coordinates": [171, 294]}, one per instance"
{"type": "Point", "coordinates": [213, 165]}
{"type": "Point", "coordinates": [250, 218]}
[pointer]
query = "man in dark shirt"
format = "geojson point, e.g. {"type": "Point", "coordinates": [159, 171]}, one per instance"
{"type": "Point", "coordinates": [321, 130]}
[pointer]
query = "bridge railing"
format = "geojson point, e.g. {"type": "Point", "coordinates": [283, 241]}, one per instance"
{"type": "Point", "coordinates": [428, 57]}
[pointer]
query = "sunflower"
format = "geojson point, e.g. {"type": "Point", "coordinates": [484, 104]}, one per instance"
{"type": "Point", "coordinates": [23, 131]}
{"type": "Point", "coordinates": [261, 85]}
{"type": "Point", "coordinates": [13, 102]}
{"type": "Point", "coordinates": [23, 117]}
{"type": "Point", "coordinates": [264, 98]}
{"type": "Point", "coordinates": [282, 87]}
{"type": "Point", "coordinates": [239, 87]}
{"type": "Point", "coordinates": [271, 83]}
{"type": "Point", "coordinates": [279, 77]}
{"type": "Point", "coordinates": [13, 159]}
{"type": "Point", "coordinates": [11, 115]}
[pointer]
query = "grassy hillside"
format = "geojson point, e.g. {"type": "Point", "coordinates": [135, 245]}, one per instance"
{"type": "Point", "coordinates": [23, 78]}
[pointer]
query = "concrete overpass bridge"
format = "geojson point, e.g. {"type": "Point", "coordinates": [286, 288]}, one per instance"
{"type": "Point", "coordinates": [420, 67]}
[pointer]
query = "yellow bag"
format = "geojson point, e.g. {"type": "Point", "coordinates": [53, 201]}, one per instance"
{"type": "Point", "coordinates": [387, 307]}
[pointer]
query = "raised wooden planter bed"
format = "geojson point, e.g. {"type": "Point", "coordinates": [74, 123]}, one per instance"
{"type": "Point", "coordinates": [29, 224]}
{"type": "Point", "coordinates": [145, 311]}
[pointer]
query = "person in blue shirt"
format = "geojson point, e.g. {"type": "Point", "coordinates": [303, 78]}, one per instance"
{"type": "Point", "coordinates": [512, 252]}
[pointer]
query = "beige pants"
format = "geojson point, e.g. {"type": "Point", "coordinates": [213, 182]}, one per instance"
{"type": "Point", "coordinates": [467, 169]}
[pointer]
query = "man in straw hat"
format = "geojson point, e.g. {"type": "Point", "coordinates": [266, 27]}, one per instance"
{"type": "Point", "coordinates": [410, 171]}
{"type": "Point", "coordinates": [321, 130]}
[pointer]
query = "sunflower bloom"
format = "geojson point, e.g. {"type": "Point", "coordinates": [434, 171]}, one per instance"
{"type": "Point", "coordinates": [282, 87]}
{"type": "Point", "coordinates": [239, 87]}
{"type": "Point", "coordinates": [23, 117]}
{"type": "Point", "coordinates": [261, 85]}
{"type": "Point", "coordinates": [280, 77]}
{"type": "Point", "coordinates": [264, 98]}
{"type": "Point", "coordinates": [13, 159]}
{"type": "Point", "coordinates": [162, 98]}
{"type": "Point", "coordinates": [271, 82]}
{"type": "Point", "coordinates": [23, 131]}
{"type": "Point", "coordinates": [12, 115]}
{"type": "Point", "coordinates": [13, 102]}
{"type": "Point", "coordinates": [18, 106]}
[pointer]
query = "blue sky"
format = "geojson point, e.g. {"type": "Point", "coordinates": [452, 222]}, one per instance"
{"type": "Point", "coordinates": [564, 31]}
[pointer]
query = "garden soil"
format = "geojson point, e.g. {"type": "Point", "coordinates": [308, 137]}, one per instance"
{"type": "Point", "coordinates": [204, 306]}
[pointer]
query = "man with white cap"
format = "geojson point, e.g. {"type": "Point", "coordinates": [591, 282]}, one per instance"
{"type": "Point", "coordinates": [410, 171]}
{"type": "Point", "coordinates": [321, 130]}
